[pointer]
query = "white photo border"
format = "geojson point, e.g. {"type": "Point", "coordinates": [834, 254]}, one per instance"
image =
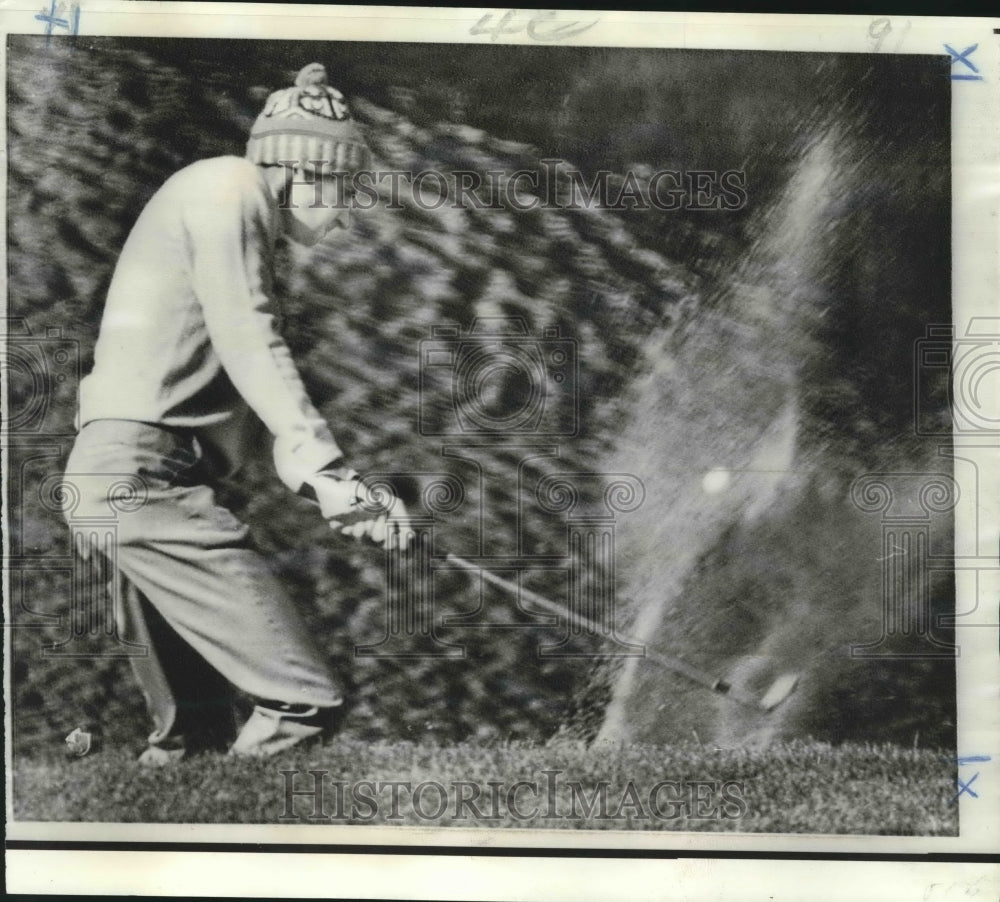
{"type": "Point", "coordinates": [976, 288]}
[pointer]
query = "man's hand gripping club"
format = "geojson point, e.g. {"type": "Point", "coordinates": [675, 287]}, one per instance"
{"type": "Point", "coordinates": [361, 511]}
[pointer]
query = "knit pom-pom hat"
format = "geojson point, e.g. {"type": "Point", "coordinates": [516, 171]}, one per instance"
{"type": "Point", "coordinates": [308, 122]}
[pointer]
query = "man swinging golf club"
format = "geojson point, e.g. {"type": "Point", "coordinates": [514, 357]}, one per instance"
{"type": "Point", "coordinates": [189, 368]}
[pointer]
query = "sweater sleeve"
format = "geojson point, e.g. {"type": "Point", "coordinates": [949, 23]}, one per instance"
{"type": "Point", "coordinates": [231, 229]}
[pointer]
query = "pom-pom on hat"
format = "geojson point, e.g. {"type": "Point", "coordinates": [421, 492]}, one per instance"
{"type": "Point", "coordinates": [308, 122]}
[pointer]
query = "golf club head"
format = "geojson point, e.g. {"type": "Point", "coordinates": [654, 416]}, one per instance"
{"type": "Point", "coordinates": [780, 689]}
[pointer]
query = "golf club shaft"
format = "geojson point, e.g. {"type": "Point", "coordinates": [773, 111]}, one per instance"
{"type": "Point", "coordinates": [667, 661]}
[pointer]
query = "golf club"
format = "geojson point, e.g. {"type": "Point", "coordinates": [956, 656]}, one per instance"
{"type": "Point", "coordinates": [778, 692]}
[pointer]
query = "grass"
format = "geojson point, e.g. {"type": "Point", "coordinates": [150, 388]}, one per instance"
{"type": "Point", "coordinates": [796, 787]}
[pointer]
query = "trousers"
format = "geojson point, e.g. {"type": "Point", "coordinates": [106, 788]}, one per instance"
{"type": "Point", "coordinates": [188, 585]}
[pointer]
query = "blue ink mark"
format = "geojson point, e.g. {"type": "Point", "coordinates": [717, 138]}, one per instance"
{"type": "Point", "coordinates": [53, 19]}
{"type": "Point", "coordinates": [963, 57]}
{"type": "Point", "coordinates": [965, 786]}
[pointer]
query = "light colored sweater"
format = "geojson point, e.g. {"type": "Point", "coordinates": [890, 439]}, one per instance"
{"type": "Point", "coordinates": [189, 336]}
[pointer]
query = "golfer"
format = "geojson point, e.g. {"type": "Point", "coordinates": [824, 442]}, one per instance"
{"type": "Point", "coordinates": [191, 378]}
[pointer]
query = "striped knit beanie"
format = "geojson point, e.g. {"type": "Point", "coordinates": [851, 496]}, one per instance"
{"type": "Point", "coordinates": [308, 122]}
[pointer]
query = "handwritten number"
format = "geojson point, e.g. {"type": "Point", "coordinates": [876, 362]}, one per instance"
{"type": "Point", "coordinates": [902, 34]}
{"type": "Point", "coordinates": [878, 31]}
{"type": "Point", "coordinates": [495, 31]}
{"type": "Point", "coordinates": [566, 30]}
{"type": "Point", "coordinates": [540, 27]}
{"type": "Point", "coordinates": [54, 19]}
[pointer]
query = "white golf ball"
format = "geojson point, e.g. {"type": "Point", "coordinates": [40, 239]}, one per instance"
{"type": "Point", "coordinates": [715, 480]}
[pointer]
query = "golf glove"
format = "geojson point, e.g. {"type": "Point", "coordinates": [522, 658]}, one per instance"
{"type": "Point", "coordinates": [362, 512]}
